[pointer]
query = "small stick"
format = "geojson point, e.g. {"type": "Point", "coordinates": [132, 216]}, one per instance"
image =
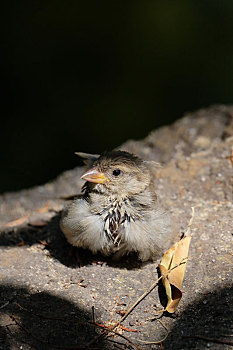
{"type": "Point", "coordinates": [157, 341]}
{"type": "Point", "coordinates": [4, 305]}
{"type": "Point", "coordinates": [120, 335]}
{"type": "Point", "coordinates": [118, 347]}
{"type": "Point", "coordinates": [127, 339]}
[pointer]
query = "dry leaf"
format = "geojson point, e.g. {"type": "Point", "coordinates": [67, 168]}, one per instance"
{"type": "Point", "coordinates": [175, 260]}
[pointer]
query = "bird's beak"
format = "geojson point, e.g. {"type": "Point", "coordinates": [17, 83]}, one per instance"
{"type": "Point", "coordinates": [94, 175]}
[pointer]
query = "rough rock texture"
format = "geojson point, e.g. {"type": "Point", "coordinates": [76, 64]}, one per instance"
{"type": "Point", "coordinates": [48, 294]}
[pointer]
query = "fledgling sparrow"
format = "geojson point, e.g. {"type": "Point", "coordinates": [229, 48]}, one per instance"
{"type": "Point", "coordinates": [118, 211]}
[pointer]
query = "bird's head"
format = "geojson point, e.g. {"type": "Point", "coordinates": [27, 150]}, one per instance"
{"type": "Point", "coordinates": [119, 173]}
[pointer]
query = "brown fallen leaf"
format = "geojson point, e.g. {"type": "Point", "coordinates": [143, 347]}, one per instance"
{"type": "Point", "coordinates": [175, 260]}
{"type": "Point", "coordinates": [127, 329]}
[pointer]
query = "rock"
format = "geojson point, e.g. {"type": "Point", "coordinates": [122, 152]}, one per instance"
{"type": "Point", "coordinates": [37, 270]}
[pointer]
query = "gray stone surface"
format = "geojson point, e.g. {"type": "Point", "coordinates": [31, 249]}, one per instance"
{"type": "Point", "coordinates": [39, 271]}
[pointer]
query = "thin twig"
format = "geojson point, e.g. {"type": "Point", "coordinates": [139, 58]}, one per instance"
{"type": "Point", "coordinates": [4, 305]}
{"type": "Point", "coordinates": [156, 341]}
{"type": "Point", "coordinates": [120, 335]}
{"type": "Point", "coordinates": [126, 338]}
{"type": "Point", "coordinates": [118, 347]}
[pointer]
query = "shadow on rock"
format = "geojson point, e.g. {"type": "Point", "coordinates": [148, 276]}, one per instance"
{"type": "Point", "coordinates": [211, 316]}
{"type": "Point", "coordinates": [47, 234]}
{"type": "Point", "coordinates": [46, 321]}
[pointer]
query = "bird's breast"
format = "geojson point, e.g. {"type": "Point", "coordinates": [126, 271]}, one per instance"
{"type": "Point", "coordinates": [116, 216]}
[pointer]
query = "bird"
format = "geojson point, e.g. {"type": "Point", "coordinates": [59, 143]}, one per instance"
{"type": "Point", "coordinates": [117, 212]}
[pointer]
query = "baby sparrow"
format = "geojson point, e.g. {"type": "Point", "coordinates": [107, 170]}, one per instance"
{"type": "Point", "coordinates": [118, 211]}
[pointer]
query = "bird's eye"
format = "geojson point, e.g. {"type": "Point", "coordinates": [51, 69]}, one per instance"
{"type": "Point", "coordinates": [116, 172]}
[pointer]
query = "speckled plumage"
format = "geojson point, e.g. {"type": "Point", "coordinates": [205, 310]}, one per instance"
{"type": "Point", "coordinates": [118, 211]}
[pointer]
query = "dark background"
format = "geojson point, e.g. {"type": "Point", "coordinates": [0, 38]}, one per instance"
{"type": "Point", "coordinates": [87, 76]}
